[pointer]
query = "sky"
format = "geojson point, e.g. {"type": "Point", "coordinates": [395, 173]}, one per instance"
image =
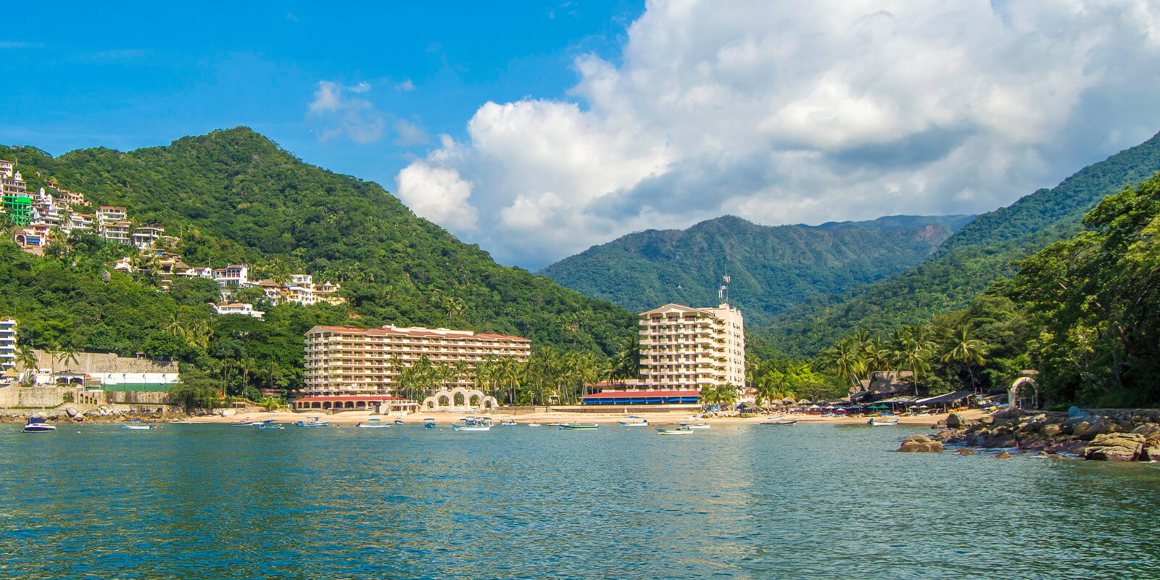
{"type": "Point", "coordinates": [538, 129]}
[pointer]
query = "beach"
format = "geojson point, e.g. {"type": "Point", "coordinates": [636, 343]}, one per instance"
{"type": "Point", "coordinates": [659, 418]}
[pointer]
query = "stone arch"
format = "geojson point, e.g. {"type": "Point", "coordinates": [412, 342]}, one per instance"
{"type": "Point", "coordinates": [460, 399]}
{"type": "Point", "coordinates": [1022, 383]}
{"type": "Point", "coordinates": [475, 400]}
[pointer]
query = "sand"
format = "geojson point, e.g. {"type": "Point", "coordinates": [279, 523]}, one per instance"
{"type": "Point", "coordinates": [654, 418]}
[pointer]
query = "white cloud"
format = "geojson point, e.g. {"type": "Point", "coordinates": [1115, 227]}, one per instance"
{"type": "Point", "coordinates": [438, 194]}
{"type": "Point", "coordinates": [339, 115]}
{"type": "Point", "coordinates": [803, 111]}
{"type": "Point", "coordinates": [405, 87]}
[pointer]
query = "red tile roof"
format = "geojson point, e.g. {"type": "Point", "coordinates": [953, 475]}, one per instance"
{"type": "Point", "coordinates": [457, 334]}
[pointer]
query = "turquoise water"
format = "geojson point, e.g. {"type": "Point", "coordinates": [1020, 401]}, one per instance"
{"type": "Point", "coordinates": [749, 502]}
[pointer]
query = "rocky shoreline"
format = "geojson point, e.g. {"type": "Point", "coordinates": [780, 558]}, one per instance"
{"type": "Point", "coordinates": [1102, 435]}
{"type": "Point", "coordinates": [99, 415]}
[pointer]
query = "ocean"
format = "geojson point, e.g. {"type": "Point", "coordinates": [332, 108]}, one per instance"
{"type": "Point", "coordinates": [736, 501]}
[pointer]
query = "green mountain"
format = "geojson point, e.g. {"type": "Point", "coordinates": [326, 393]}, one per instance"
{"type": "Point", "coordinates": [234, 196]}
{"type": "Point", "coordinates": [986, 249]}
{"type": "Point", "coordinates": [772, 268]}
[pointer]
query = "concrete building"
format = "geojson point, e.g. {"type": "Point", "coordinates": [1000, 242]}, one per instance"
{"type": "Point", "coordinates": [342, 360]}
{"type": "Point", "coordinates": [7, 348]}
{"type": "Point", "coordinates": [145, 237]}
{"type": "Point", "coordinates": [234, 275]}
{"type": "Point", "coordinates": [689, 348]}
{"type": "Point", "coordinates": [238, 308]}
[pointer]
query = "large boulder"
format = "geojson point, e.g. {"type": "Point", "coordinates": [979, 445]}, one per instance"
{"type": "Point", "coordinates": [1115, 447]}
{"type": "Point", "coordinates": [71, 411]}
{"type": "Point", "coordinates": [920, 443]}
{"type": "Point", "coordinates": [955, 420]}
{"type": "Point", "coordinates": [1052, 430]}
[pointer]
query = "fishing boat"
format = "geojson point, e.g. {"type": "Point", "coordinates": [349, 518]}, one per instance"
{"type": "Point", "coordinates": [37, 425]}
{"type": "Point", "coordinates": [314, 421]}
{"type": "Point", "coordinates": [533, 424]}
{"type": "Point", "coordinates": [373, 423]}
{"type": "Point", "coordinates": [508, 422]}
{"type": "Point", "coordinates": [693, 425]}
{"type": "Point", "coordinates": [137, 426]}
{"type": "Point", "coordinates": [780, 422]}
{"type": "Point", "coordinates": [398, 421]}
{"type": "Point", "coordinates": [678, 431]}
{"type": "Point", "coordinates": [882, 421]}
{"type": "Point", "coordinates": [271, 424]}
{"type": "Point", "coordinates": [471, 424]}
{"type": "Point", "coordinates": [633, 421]}
{"type": "Point", "coordinates": [579, 426]}
{"type": "Point", "coordinates": [429, 422]}
{"type": "Point", "coordinates": [245, 423]}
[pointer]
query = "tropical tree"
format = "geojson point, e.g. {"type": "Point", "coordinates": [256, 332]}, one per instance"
{"type": "Point", "coordinates": [965, 350]}
{"type": "Point", "coordinates": [26, 358]}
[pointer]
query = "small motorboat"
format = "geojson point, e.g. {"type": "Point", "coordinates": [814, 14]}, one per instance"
{"type": "Point", "coordinates": [508, 422]}
{"type": "Point", "coordinates": [533, 424]}
{"type": "Point", "coordinates": [677, 431]}
{"type": "Point", "coordinates": [315, 421]}
{"type": "Point", "coordinates": [471, 424]}
{"type": "Point", "coordinates": [694, 425]}
{"type": "Point", "coordinates": [373, 423]}
{"type": "Point", "coordinates": [429, 423]}
{"type": "Point", "coordinates": [245, 423]}
{"type": "Point", "coordinates": [37, 425]}
{"type": "Point", "coordinates": [633, 421]}
{"type": "Point", "coordinates": [882, 421]}
{"type": "Point", "coordinates": [271, 424]}
{"type": "Point", "coordinates": [398, 421]}
{"type": "Point", "coordinates": [780, 422]}
{"type": "Point", "coordinates": [137, 426]}
{"type": "Point", "coordinates": [579, 426]}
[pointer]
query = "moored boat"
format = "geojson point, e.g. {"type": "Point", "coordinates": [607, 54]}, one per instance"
{"type": "Point", "coordinates": [508, 422]}
{"type": "Point", "coordinates": [315, 421]}
{"type": "Point", "coordinates": [37, 425]}
{"type": "Point", "coordinates": [271, 424]}
{"type": "Point", "coordinates": [693, 425]}
{"type": "Point", "coordinates": [780, 422]}
{"type": "Point", "coordinates": [579, 426]}
{"type": "Point", "coordinates": [677, 431]}
{"type": "Point", "coordinates": [633, 421]}
{"type": "Point", "coordinates": [882, 421]}
{"type": "Point", "coordinates": [137, 426]}
{"type": "Point", "coordinates": [473, 424]}
{"type": "Point", "coordinates": [429, 422]}
{"type": "Point", "coordinates": [373, 423]}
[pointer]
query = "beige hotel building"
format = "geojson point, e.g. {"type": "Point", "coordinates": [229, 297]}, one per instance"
{"type": "Point", "coordinates": [688, 348]}
{"type": "Point", "coordinates": [342, 360]}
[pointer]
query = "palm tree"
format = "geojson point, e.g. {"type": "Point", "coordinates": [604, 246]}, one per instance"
{"type": "Point", "coordinates": [628, 358]}
{"type": "Point", "coordinates": [966, 350]}
{"type": "Point", "coordinates": [26, 358]}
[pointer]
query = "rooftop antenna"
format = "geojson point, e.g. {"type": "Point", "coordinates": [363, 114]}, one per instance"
{"type": "Point", "coordinates": [723, 293]}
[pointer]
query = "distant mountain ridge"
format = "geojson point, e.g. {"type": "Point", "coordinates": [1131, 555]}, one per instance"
{"type": "Point", "coordinates": [772, 267]}
{"type": "Point", "coordinates": [984, 250]}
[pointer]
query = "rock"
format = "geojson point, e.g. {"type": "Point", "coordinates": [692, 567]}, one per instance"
{"type": "Point", "coordinates": [1074, 411]}
{"type": "Point", "coordinates": [1003, 455]}
{"type": "Point", "coordinates": [1148, 430]}
{"type": "Point", "coordinates": [1052, 430]}
{"type": "Point", "coordinates": [1115, 447]}
{"type": "Point", "coordinates": [955, 420]}
{"type": "Point", "coordinates": [71, 411]}
{"type": "Point", "coordinates": [920, 443]}
{"type": "Point", "coordinates": [965, 451]}
{"type": "Point", "coordinates": [78, 417]}
{"type": "Point", "coordinates": [1151, 450]}
{"type": "Point", "coordinates": [227, 412]}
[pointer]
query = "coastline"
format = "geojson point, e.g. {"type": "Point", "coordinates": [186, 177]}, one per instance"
{"type": "Point", "coordinates": [654, 418]}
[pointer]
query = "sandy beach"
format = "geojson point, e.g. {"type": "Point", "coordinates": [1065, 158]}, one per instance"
{"type": "Point", "coordinates": [654, 418]}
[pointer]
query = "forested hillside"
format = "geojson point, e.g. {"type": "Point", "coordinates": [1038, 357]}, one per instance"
{"type": "Point", "coordinates": [984, 250]}
{"type": "Point", "coordinates": [234, 196]}
{"type": "Point", "coordinates": [772, 268]}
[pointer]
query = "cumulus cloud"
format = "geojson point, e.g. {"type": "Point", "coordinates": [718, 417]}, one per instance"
{"type": "Point", "coordinates": [341, 115]}
{"type": "Point", "coordinates": [800, 111]}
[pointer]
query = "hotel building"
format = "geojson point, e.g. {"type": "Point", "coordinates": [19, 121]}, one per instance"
{"type": "Point", "coordinates": [7, 347]}
{"type": "Point", "coordinates": [342, 360]}
{"type": "Point", "coordinates": [690, 348]}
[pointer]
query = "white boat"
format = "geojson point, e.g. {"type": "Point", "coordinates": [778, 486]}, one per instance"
{"type": "Point", "coordinates": [633, 421]}
{"type": "Point", "coordinates": [780, 422]}
{"type": "Point", "coordinates": [472, 425]}
{"type": "Point", "coordinates": [578, 426]}
{"type": "Point", "coordinates": [508, 422]}
{"type": "Point", "coordinates": [373, 423]}
{"type": "Point", "coordinates": [882, 421]}
{"type": "Point", "coordinates": [533, 424]}
{"type": "Point", "coordinates": [138, 426]}
{"type": "Point", "coordinates": [694, 425]}
{"type": "Point", "coordinates": [313, 422]}
{"type": "Point", "coordinates": [677, 431]}
{"type": "Point", "coordinates": [37, 425]}
{"type": "Point", "coordinates": [270, 424]}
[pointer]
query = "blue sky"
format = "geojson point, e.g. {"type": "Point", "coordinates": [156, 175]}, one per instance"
{"type": "Point", "coordinates": [134, 74]}
{"type": "Point", "coordinates": [537, 129]}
